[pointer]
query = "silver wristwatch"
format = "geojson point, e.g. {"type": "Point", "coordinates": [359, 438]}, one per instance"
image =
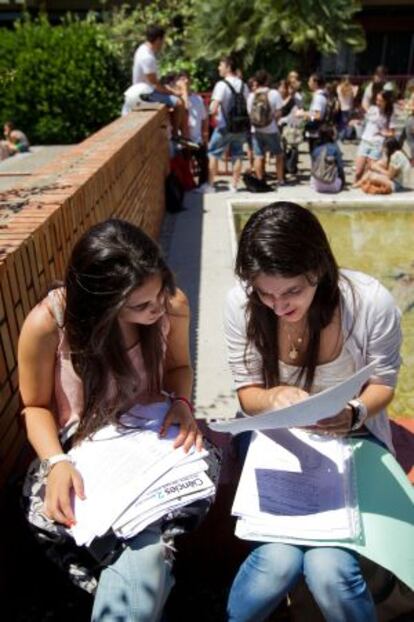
{"type": "Point", "coordinates": [359, 414]}
{"type": "Point", "coordinates": [47, 464]}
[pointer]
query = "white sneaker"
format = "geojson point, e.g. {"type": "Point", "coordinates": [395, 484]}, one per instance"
{"type": "Point", "coordinates": [205, 189]}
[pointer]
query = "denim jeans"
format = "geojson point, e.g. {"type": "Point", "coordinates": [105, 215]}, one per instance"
{"type": "Point", "coordinates": [136, 586]}
{"type": "Point", "coordinates": [271, 570]}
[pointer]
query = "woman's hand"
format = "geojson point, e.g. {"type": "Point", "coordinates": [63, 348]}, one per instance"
{"type": "Point", "coordinates": [280, 397]}
{"type": "Point", "coordinates": [189, 434]}
{"type": "Point", "coordinates": [62, 479]}
{"type": "Point", "coordinates": [339, 425]}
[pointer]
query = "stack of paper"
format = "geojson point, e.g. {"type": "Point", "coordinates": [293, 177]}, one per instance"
{"type": "Point", "coordinates": [297, 485]}
{"type": "Point", "coordinates": [294, 484]}
{"type": "Point", "coordinates": [132, 477]}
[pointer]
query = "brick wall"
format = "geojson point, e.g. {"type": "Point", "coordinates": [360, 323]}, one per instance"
{"type": "Point", "coordinates": [119, 171]}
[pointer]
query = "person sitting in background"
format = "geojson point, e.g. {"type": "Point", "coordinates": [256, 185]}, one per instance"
{"type": "Point", "coordinates": [264, 106]}
{"type": "Point", "coordinates": [197, 124]}
{"type": "Point", "coordinates": [327, 169]}
{"type": "Point", "coordinates": [379, 124]}
{"type": "Point", "coordinates": [145, 71]}
{"type": "Point", "coordinates": [15, 141]}
{"type": "Point", "coordinates": [390, 174]}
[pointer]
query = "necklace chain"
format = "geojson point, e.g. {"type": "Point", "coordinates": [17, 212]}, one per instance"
{"type": "Point", "coordinates": [295, 344]}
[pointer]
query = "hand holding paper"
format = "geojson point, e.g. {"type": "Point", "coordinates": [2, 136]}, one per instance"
{"type": "Point", "coordinates": [307, 413]}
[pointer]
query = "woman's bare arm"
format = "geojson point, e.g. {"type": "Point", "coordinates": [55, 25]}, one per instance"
{"type": "Point", "coordinates": [37, 358]}
{"type": "Point", "coordinates": [178, 376]}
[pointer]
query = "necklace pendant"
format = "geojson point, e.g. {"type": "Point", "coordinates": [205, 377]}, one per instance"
{"type": "Point", "coordinates": [293, 353]}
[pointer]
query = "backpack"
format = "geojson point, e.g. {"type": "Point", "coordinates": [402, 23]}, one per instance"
{"type": "Point", "coordinates": [324, 167]}
{"type": "Point", "coordinates": [174, 194]}
{"type": "Point", "coordinates": [261, 113]}
{"type": "Point", "coordinates": [253, 184]}
{"type": "Point", "coordinates": [237, 118]}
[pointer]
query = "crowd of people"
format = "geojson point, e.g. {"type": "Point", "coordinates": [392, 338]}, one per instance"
{"type": "Point", "coordinates": [261, 120]}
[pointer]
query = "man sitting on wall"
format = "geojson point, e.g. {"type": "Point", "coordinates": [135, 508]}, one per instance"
{"type": "Point", "coordinates": [145, 71]}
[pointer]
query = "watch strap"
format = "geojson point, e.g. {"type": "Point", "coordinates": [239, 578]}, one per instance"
{"type": "Point", "coordinates": [359, 413]}
{"type": "Point", "coordinates": [48, 463]}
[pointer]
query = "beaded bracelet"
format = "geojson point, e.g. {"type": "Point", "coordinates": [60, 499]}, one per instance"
{"type": "Point", "coordinates": [181, 398]}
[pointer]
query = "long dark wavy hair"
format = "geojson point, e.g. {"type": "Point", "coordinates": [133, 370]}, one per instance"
{"type": "Point", "coordinates": [284, 239]}
{"type": "Point", "coordinates": [108, 262]}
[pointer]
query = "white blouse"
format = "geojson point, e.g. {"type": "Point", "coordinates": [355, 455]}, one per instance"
{"type": "Point", "coordinates": [371, 332]}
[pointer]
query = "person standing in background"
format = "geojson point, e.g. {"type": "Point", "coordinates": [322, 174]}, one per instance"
{"type": "Point", "coordinates": [229, 88]}
{"type": "Point", "coordinates": [265, 106]}
{"type": "Point", "coordinates": [198, 123]}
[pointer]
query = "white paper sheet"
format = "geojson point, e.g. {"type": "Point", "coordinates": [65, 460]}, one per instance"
{"type": "Point", "coordinates": [118, 466]}
{"type": "Point", "coordinates": [295, 483]}
{"type": "Point", "coordinates": [316, 407]}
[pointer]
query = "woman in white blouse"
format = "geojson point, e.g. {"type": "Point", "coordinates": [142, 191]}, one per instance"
{"type": "Point", "coordinates": [296, 325]}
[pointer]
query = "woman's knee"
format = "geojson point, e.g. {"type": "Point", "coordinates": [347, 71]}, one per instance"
{"type": "Point", "coordinates": [329, 570]}
{"type": "Point", "coordinates": [274, 564]}
{"type": "Point", "coordinates": [137, 584]}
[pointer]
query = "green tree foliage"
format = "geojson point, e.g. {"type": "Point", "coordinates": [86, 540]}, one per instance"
{"type": "Point", "coordinates": [58, 83]}
{"type": "Point", "coordinates": [260, 28]}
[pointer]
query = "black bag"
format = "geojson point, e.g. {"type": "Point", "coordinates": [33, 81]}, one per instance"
{"type": "Point", "coordinates": [83, 564]}
{"type": "Point", "coordinates": [255, 185]}
{"type": "Point", "coordinates": [324, 167]}
{"type": "Point", "coordinates": [291, 159]}
{"type": "Point", "coordinates": [174, 194]}
{"type": "Point", "coordinates": [237, 118]}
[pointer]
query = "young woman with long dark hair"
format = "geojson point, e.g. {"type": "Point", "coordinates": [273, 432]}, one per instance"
{"type": "Point", "coordinates": [296, 324]}
{"type": "Point", "coordinates": [113, 335]}
{"type": "Point", "coordinates": [379, 125]}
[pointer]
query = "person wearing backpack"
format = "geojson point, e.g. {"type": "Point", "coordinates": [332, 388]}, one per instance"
{"type": "Point", "coordinates": [317, 110]}
{"type": "Point", "coordinates": [327, 169]}
{"type": "Point", "coordinates": [229, 103]}
{"type": "Point", "coordinates": [265, 106]}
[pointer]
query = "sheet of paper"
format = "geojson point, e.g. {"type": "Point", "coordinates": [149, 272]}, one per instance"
{"type": "Point", "coordinates": [163, 492]}
{"type": "Point", "coordinates": [117, 466]}
{"type": "Point", "coordinates": [324, 404]}
{"type": "Point", "coordinates": [159, 501]}
{"type": "Point", "coordinates": [142, 522]}
{"type": "Point", "coordinates": [386, 503]}
{"type": "Point", "coordinates": [294, 483]}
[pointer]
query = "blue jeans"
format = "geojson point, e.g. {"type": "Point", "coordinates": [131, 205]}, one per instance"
{"type": "Point", "coordinates": [168, 99]}
{"type": "Point", "coordinates": [136, 586]}
{"type": "Point", "coordinates": [221, 139]}
{"type": "Point", "coordinates": [271, 570]}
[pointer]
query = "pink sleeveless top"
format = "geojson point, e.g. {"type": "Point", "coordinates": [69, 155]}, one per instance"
{"type": "Point", "coordinates": [68, 389]}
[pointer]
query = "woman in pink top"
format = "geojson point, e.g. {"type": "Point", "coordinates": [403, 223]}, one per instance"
{"type": "Point", "coordinates": [114, 335]}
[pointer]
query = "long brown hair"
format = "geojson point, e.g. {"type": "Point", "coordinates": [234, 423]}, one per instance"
{"type": "Point", "coordinates": [108, 262]}
{"type": "Point", "coordinates": [286, 240]}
